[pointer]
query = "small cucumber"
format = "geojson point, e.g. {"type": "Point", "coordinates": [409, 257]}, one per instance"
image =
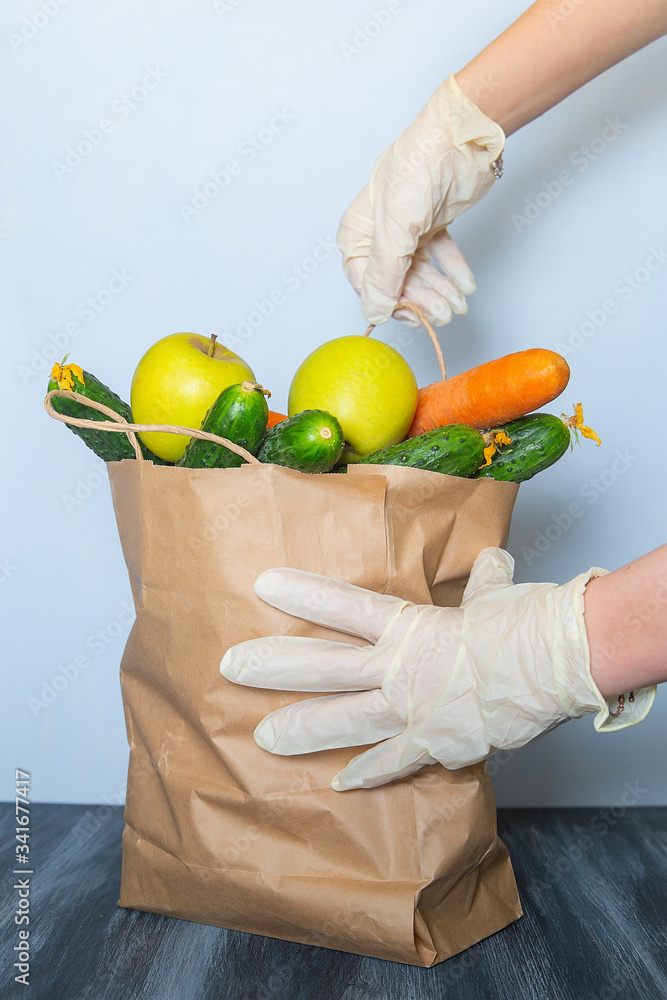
{"type": "Point", "coordinates": [455, 450]}
{"type": "Point", "coordinates": [536, 442]}
{"type": "Point", "coordinates": [310, 441]}
{"type": "Point", "coordinates": [107, 445]}
{"type": "Point", "coordinates": [239, 414]}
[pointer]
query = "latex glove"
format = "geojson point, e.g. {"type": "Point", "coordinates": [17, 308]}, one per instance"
{"type": "Point", "coordinates": [437, 684]}
{"type": "Point", "coordinates": [441, 165]}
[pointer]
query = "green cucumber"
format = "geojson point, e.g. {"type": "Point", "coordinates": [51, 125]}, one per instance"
{"type": "Point", "coordinates": [455, 450]}
{"type": "Point", "coordinates": [536, 442]}
{"type": "Point", "coordinates": [310, 441]}
{"type": "Point", "coordinates": [239, 414]}
{"type": "Point", "coordinates": [110, 446]}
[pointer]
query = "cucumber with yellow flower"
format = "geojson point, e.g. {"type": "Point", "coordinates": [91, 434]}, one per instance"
{"type": "Point", "coordinates": [109, 447]}
{"type": "Point", "coordinates": [521, 448]}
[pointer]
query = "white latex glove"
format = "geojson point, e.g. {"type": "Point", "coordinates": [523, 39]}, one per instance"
{"type": "Point", "coordinates": [437, 684]}
{"type": "Point", "coordinates": [441, 165]}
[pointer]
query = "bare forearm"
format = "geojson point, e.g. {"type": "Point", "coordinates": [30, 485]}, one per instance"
{"type": "Point", "coordinates": [626, 623]}
{"type": "Point", "coordinates": [552, 50]}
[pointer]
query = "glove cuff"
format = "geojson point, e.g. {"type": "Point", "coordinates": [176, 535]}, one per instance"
{"type": "Point", "coordinates": [577, 691]}
{"type": "Point", "coordinates": [468, 123]}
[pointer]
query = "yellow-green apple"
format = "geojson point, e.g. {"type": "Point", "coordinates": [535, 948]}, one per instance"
{"type": "Point", "coordinates": [363, 382]}
{"type": "Point", "coordinates": [176, 382]}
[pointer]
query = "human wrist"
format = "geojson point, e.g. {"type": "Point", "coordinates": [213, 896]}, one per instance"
{"type": "Point", "coordinates": [617, 706]}
{"type": "Point", "coordinates": [492, 100]}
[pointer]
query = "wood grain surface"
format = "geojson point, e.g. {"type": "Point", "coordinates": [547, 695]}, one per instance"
{"type": "Point", "coordinates": [593, 885]}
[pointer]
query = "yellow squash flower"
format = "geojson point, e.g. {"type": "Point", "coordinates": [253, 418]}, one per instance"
{"type": "Point", "coordinates": [576, 424]}
{"type": "Point", "coordinates": [495, 440]}
{"type": "Point", "coordinates": [64, 375]}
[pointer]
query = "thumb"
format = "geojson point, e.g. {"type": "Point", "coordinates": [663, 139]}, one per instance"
{"type": "Point", "coordinates": [493, 569]}
{"type": "Point", "coordinates": [383, 280]}
{"type": "Point", "coordinates": [394, 758]}
{"type": "Point", "coordinates": [356, 225]}
{"type": "Point", "coordinates": [390, 254]}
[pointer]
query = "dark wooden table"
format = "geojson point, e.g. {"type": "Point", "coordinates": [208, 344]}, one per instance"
{"type": "Point", "coordinates": [593, 885]}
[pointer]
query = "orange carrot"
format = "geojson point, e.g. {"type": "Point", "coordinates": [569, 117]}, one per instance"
{"type": "Point", "coordinates": [275, 418]}
{"type": "Point", "coordinates": [491, 394]}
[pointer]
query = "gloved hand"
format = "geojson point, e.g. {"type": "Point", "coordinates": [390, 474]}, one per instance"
{"type": "Point", "coordinates": [441, 165]}
{"type": "Point", "coordinates": [437, 684]}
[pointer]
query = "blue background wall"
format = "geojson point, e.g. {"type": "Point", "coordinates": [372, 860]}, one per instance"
{"type": "Point", "coordinates": [104, 256]}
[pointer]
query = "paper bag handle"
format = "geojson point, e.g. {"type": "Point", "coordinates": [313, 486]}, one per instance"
{"type": "Point", "coordinates": [404, 304]}
{"type": "Point", "coordinates": [121, 426]}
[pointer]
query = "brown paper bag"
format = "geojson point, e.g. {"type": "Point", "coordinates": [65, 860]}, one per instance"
{"type": "Point", "coordinates": [222, 832]}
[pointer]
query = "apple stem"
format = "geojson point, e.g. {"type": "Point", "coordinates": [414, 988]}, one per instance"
{"type": "Point", "coordinates": [211, 345]}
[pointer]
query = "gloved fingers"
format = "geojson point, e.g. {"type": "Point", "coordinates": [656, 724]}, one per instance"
{"type": "Point", "coordinates": [441, 289]}
{"type": "Point", "coordinates": [427, 274]}
{"type": "Point", "coordinates": [448, 257]}
{"type": "Point", "coordinates": [382, 282]}
{"type": "Point", "coordinates": [395, 758]}
{"type": "Point", "coordinates": [331, 722]}
{"type": "Point", "coordinates": [328, 602]}
{"type": "Point", "coordinates": [432, 291]}
{"type": "Point", "coordinates": [297, 663]}
{"type": "Point", "coordinates": [354, 268]}
{"type": "Point", "coordinates": [492, 569]}
{"type": "Point", "coordinates": [436, 309]}
{"type": "Point", "coordinates": [355, 232]}
{"type": "Point", "coordinates": [390, 255]}
{"type": "Point", "coordinates": [435, 294]}
{"type": "Point", "coordinates": [438, 295]}
{"type": "Point", "coordinates": [408, 318]}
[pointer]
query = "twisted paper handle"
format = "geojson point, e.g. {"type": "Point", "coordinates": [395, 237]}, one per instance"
{"type": "Point", "coordinates": [120, 425]}
{"type": "Point", "coordinates": [404, 304]}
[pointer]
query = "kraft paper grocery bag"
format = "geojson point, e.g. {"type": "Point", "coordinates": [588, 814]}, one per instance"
{"type": "Point", "coordinates": [222, 832]}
